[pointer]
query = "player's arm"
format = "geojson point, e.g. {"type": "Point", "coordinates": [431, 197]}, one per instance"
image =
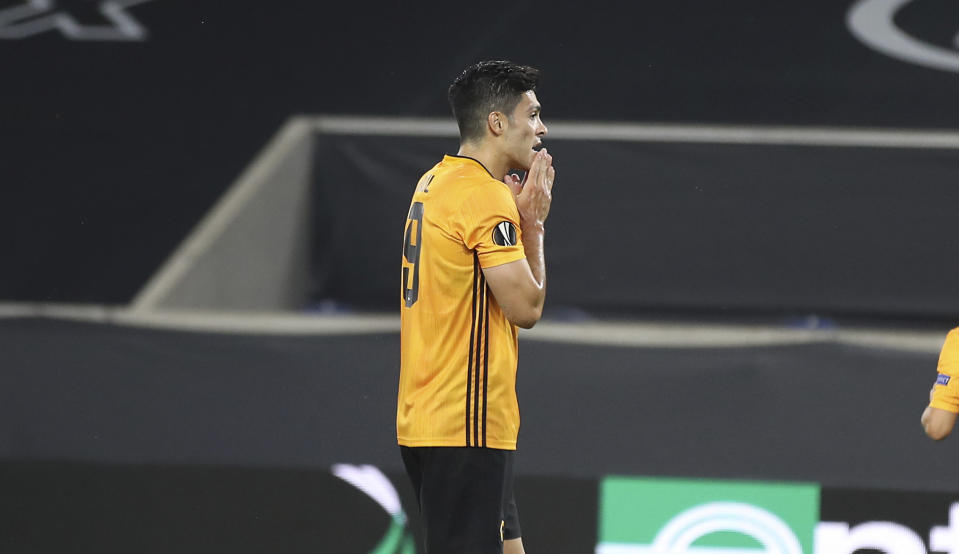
{"type": "Point", "coordinates": [939, 417]}
{"type": "Point", "coordinates": [520, 287]}
{"type": "Point", "coordinates": [937, 423]}
{"type": "Point", "coordinates": [517, 291]}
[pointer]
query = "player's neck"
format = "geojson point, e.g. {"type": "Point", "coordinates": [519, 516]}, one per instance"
{"type": "Point", "coordinates": [491, 158]}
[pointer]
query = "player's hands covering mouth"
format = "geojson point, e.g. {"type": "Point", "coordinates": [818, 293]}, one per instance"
{"type": "Point", "coordinates": [534, 193]}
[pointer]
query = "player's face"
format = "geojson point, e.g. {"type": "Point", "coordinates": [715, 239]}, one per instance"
{"type": "Point", "coordinates": [525, 132]}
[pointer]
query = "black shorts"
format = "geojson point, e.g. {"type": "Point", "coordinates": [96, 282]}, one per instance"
{"type": "Point", "coordinates": [465, 497]}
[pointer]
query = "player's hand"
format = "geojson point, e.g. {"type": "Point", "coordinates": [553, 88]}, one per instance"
{"type": "Point", "coordinates": [535, 193]}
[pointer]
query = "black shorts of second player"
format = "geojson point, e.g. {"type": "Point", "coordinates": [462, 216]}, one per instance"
{"type": "Point", "coordinates": [465, 497]}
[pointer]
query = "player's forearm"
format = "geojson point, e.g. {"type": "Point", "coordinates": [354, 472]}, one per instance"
{"type": "Point", "coordinates": [533, 245]}
{"type": "Point", "coordinates": [937, 423]}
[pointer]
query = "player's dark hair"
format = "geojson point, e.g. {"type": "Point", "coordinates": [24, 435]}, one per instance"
{"type": "Point", "coordinates": [484, 87]}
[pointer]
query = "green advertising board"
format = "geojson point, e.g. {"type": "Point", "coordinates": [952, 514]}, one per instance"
{"type": "Point", "coordinates": [641, 515]}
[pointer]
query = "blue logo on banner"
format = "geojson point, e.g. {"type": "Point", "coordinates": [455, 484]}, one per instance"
{"type": "Point", "coordinates": [942, 379]}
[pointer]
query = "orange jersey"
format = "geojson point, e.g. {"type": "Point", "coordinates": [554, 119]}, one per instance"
{"type": "Point", "coordinates": [458, 351]}
{"type": "Point", "coordinates": [946, 393]}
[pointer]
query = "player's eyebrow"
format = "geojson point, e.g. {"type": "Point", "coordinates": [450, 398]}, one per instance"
{"type": "Point", "coordinates": [535, 108]}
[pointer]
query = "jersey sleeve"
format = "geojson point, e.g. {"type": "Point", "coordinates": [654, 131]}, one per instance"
{"type": "Point", "coordinates": [946, 390]}
{"type": "Point", "coordinates": [492, 225]}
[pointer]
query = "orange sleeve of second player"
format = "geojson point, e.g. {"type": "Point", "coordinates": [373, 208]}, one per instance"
{"type": "Point", "coordinates": [946, 390]}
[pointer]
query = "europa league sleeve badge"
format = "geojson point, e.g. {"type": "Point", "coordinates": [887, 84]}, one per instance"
{"type": "Point", "coordinates": [504, 234]}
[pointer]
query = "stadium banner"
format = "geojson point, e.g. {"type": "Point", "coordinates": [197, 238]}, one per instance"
{"type": "Point", "coordinates": [897, 522]}
{"type": "Point", "coordinates": [122, 439]}
{"type": "Point", "coordinates": [357, 508]}
{"type": "Point", "coordinates": [641, 515]}
{"type": "Point", "coordinates": [647, 515]}
{"type": "Point", "coordinates": [114, 509]}
{"type": "Point", "coordinates": [786, 230]}
{"type": "Point", "coordinates": [348, 508]}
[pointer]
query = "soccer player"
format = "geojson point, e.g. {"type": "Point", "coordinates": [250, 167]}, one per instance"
{"type": "Point", "coordinates": [939, 416]}
{"type": "Point", "coordinates": [473, 269]}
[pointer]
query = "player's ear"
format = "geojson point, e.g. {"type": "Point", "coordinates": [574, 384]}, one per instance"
{"type": "Point", "coordinates": [497, 123]}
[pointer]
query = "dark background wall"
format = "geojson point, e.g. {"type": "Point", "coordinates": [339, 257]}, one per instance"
{"type": "Point", "coordinates": [122, 395]}
{"type": "Point", "coordinates": [118, 439]}
{"type": "Point", "coordinates": [111, 151]}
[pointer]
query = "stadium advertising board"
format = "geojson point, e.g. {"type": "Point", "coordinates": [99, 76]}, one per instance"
{"type": "Point", "coordinates": [641, 515]}
{"type": "Point", "coordinates": [359, 509]}
{"type": "Point", "coordinates": [890, 521]}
